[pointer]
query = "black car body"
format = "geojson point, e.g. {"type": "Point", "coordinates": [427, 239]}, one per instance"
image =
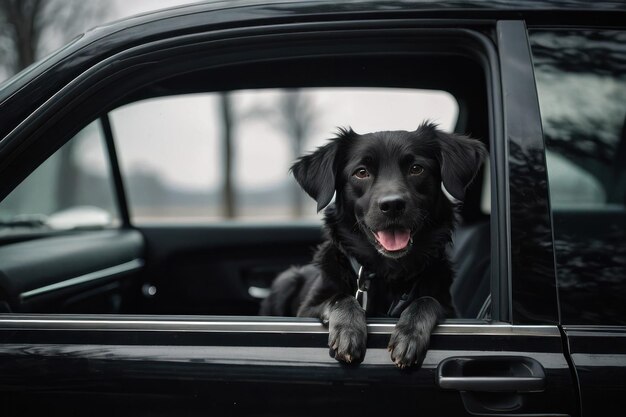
{"type": "Point", "coordinates": [177, 353]}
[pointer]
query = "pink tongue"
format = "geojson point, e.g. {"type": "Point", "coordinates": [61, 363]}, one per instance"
{"type": "Point", "coordinates": [393, 239]}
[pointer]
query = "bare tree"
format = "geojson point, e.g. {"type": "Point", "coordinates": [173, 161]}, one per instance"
{"type": "Point", "coordinates": [297, 117]}
{"type": "Point", "coordinates": [586, 129]}
{"type": "Point", "coordinates": [31, 28]}
{"type": "Point", "coordinates": [20, 30]}
{"type": "Point", "coordinates": [227, 144]}
{"type": "Point", "coordinates": [294, 114]}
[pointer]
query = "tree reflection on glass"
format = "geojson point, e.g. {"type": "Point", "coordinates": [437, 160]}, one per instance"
{"type": "Point", "coordinates": [581, 81]}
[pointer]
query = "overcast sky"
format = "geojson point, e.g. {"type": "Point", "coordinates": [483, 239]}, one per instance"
{"type": "Point", "coordinates": [179, 137]}
{"type": "Point", "coordinates": [125, 8]}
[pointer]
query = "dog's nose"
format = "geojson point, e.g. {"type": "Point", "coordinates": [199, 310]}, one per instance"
{"type": "Point", "coordinates": [392, 205]}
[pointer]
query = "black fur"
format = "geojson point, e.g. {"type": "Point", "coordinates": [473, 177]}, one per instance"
{"type": "Point", "coordinates": [384, 181]}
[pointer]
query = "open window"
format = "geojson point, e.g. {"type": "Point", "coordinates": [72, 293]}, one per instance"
{"type": "Point", "coordinates": [215, 156]}
{"type": "Point", "coordinates": [205, 134]}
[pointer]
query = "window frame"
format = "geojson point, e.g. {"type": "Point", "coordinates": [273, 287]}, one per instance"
{"type": "Point", "coordinates": [126, 64]}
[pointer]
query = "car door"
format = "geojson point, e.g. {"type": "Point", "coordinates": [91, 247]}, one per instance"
{"type": "Point", "coordinates": [509, 360]}
{"type": "Point", "coordinates": [585, 159]}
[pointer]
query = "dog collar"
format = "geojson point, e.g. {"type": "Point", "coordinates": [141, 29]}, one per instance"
{"type": "Point", "coordinates": [363, 280]}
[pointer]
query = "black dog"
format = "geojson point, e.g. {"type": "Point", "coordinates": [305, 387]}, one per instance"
{"type": "Point", "coordinates": [386, 236]}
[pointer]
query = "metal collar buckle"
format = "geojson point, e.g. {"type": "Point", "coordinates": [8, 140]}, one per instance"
{"type": "Point", "coordinates": [363, 285]}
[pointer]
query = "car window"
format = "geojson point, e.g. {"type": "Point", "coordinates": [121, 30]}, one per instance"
{"type": "Point", "coordinates": [204, 144]}
{"type": "Point", "coordinates": [214, 156]}
{"type": "Point", "coordinates": [581, 82]}
{"type": "Point", "coordinates": [71, 189]}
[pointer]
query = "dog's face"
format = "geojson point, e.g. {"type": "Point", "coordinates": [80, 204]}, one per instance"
{"type": "Point", "coordinates": [391, 181]}
{"type": "Point", "coordinates": [391, 184]}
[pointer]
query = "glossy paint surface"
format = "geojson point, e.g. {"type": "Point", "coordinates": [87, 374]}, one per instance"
{"type": "Point", "coordinates": [599, 354]}
{"type": "Point", "coordinates": [190, 366]}
{"type": "Point", "coordinates": [533, 284]}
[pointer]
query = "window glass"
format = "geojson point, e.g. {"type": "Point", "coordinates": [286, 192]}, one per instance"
{"type": "Point", "coordinates": [71, 189]}
{"type": "Point", "coordinates": [214, 156]}
{"type": "Point", "coordinates": [581, 82]}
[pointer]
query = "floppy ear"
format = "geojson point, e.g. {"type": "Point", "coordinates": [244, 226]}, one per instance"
{"type": "Point", "coordinates": [460, 160]}
{"type": "Point", "coordinates": [317, 171]}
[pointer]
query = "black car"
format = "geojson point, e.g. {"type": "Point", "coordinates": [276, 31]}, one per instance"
{"type": "Point", "coordinates": [112, 305]}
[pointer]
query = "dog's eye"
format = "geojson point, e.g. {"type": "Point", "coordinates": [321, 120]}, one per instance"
{"type": "Point", "coordinates": [361, 173]}
{"type": "Point", "coordinates": [416, 170]}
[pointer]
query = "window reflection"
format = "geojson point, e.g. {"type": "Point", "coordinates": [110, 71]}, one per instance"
{"type": "Point", "coordinates": [581, 81]}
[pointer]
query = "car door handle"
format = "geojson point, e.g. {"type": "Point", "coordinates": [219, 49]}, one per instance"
{"type": "Point", "coordinates": [491, 374]}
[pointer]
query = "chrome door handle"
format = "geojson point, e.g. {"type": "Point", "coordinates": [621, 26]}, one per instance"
{"type": "Point", "coordinates": [491, 374]}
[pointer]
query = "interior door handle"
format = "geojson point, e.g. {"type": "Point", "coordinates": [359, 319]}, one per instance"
{"type": "Point", "coordinates": [258, 292]}
{"type": "Point", "coordinates": [491, 374]}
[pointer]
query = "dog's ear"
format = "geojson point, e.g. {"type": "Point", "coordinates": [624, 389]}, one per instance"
{"type": "Point", "coordinates": [460, 159]}
{"type": "Point", "coordinates": [317, 171]}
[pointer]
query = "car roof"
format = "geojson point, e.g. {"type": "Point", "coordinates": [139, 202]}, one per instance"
{"type": "Point", "coordinates": [243, 12]}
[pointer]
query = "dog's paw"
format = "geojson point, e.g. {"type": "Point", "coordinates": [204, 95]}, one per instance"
{"type": "Point", "coordinates": [347, 335]}
{"type": "Point", "coordinates": [411, 337]}
{"type": "Point", "coordinates": [347, 343]}
{"type": "Point", "coordinates": [408, 345]}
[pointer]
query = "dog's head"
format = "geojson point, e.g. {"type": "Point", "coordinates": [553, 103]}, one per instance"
{"type": "Point", "coordinates": [391, 184]}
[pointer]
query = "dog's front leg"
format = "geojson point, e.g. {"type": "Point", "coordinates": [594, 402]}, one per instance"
{"type": "Point", "coordinates": [409, 340]}
{"type": "Point", "coordinates": [347, 329]}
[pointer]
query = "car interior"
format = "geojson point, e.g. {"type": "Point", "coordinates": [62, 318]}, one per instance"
{"type": "Point", "coordinates": [225, 267]}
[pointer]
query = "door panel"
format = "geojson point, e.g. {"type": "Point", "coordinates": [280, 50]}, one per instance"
{"type": "Point", "coordinates": [85, 272]}
{"type": "Point", "coordinates": [220, 269]}
{"type": "Point", "coordinates": [598, 354]}
{"type": "Point", "coordinates": [277, 367]}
